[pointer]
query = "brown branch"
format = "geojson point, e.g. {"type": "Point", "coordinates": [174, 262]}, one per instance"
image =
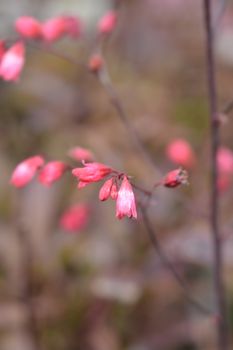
{"type": "Point", "coordinates": [222, 331]}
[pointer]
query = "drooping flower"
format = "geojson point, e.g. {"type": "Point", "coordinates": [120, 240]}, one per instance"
{"type": "Point", "coordinates": [114, 191]}
{"type": "Point", "coordinates": [81, 154]}
{"type": "Point", "coordinates": [108, 22]}
{"type": "Point", "coordinates": [2, 49]}
{"type": "Point", "coordinates": [75, 218]}
{"type": "Point", "coordinates": [26, 170]}
{"type": "Point", "coordinates": [92, 172]}
{"type": "Point", "coordinates": [28, 27]}
{"type": "Point", "coordinates": [125, 203]}
{"type": "Point", "coordinates": [175, 178]}
{"type": "Point", "coordinates": [180, 152]}
{"type": "Point", "coordinates": [54, 29]}
{"type": "Point", "coordinates": [52, 172]}
{"type": "Point", "coordinates": [12, 62]}
{"type": "Point", "coordinates": [105, 190]}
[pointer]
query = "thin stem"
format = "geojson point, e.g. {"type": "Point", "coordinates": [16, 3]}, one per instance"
{"type": "Point", "coordinates": [170, 266]}
{"type": "Point", "coordinates": [214, 217]}
{"type": "Point", "coordinates": [106, 82]}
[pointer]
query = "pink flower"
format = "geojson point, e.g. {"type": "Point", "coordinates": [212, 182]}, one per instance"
{"type": "Point", "coordinates": [105, 190]}
{"type": "Point", "coordinates": [81, 154]}
{"type": "Point", "coordinates": [2, 49]}
{"type": "Point", "coordinates": [95, 63]}
{"type": "Point", "coordinates": [175, 178]}
{"type": "Point", "coordinates": [91, 172]}
{"type": "Point", "coordinates": [225, 160]}
{"type": "Point", "coordinates": [108, 22]}
{"type": "Point", "coordinates": [180, 152]}
{"type": "Point", "coordinates": [75, 218]}
{"type": "Point", "coordinates": [72, 26]}
{"type": "Point", "coordinates": [52, 172]}
{"type": "Point", "coordinates": [25, 171]}
{"type": "Point", "coordinates": [28, 27]}
{"type": "Point", "coordinates": [54, 29]}
{"type": "Point", "coordinates": [12, 62]}
{"type": "Point", "coordinates": [114, 191]}
{"type": "Point", "coordinates": [125, 203]}
{"type": "Point", "coordinates": [223, 182]}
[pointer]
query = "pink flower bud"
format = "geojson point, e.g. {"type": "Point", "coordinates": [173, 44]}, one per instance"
{"type": "Point", "coordinates": [73, 26]}
{"type": "Point", "coordinates": [81, 154]}
{"type": "Point", "coordinates": [105, 190]}
{"type": "Point", "coordinates": [223, 182]}
{"type": "Point", "coordinates": [125, 203]}
{"type": "Point", "coordinates": [225, 160]}
{"type": "Point", "coordinates": [54, 29]}
{"type": "Point", "coordinates": [107, 23]}
{"type": "Point", "coordinates": [25, 171]}
{"type": "Point", "coordinates": [28, 27]}
{"type": "Point", "coordinates": [180, 152]}
{"type": "Point", "coordinates": [52, 172]}
{"type": "Point", "coordinates": [92, 172]}
{"type": "Point", "coordinates": [175, 178]}
{"type": "Point", "coordinates": [114, 191]}
{"type": "Point", "coordinates": [95, 63]}
{"type": "Point", "coordinates": [12, 62]}
{"type": "Point", "coordinates": [75, 218]}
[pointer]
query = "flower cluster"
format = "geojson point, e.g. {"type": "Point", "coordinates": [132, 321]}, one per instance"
{"type": "Point", "coordinates": [12, 58]}
{"type": "Point", "coordinates": [181, 153]}
{"type": "Point", "coordinates": [28, 168]}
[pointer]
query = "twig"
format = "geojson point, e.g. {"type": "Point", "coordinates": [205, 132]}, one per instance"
{"type": "Point", "coordinates": [106, 82]}
{"type": "Point", "coordinates": [214, 217]}
{"type": "Point", "coordinates": [170, 266]}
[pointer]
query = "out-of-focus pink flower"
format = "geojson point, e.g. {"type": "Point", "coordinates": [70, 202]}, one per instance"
{"type": "Point", "coordinates": [73, 26]}
{"type": "Point", "coordinates": [52, 172]}
{"type": "Point", "coordinates": [180, 152]}
{"type": "Point", "coordinates": [224, 182]}
{"type": "Point", "coordinates": [95, 63]}
{"type": "Point", "coordinates": [114, 191]}
{"type": "Point", "coordinates": [225, 160]}
{"type": "Point", "coordinates": [108, 22]}
{"type": "Point", "coordinates": [91, 172]}
{"type": "Point", "coordinates": [125, 203]}
{"type": "Point", "coordinates": [81, 154]}
{"type": "Point", "coordinates": [25, 171]}
{"type": "Point", "coordinates": [175, 178]}
{"type": "Point", "coordinates": [75, 218]}
{"type": "Point", "coordinates": [54, 29]}
{"type": "Point", "coordinates": [28, 27]}
{"type": "Point", "coordinates": [2, 49]}
{"type": "Point", "coordinates": [105, 190]}
{"type": "Point", "coordinates": [12, 62]}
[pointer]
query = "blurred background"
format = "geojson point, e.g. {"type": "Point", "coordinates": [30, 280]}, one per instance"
{"type": "Point", "coordinates": [104, 287]}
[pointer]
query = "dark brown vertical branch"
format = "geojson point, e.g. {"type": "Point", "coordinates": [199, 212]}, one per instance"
{"type": "Point", "coordinates": [214, 217]}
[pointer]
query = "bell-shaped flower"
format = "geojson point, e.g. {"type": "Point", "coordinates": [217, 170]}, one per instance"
{"type": "Point", "coordinates": [25, 171]}
{"type": "Point", "coordinates": [52, 172]}
{"type": "Point", "coordinates": [175, 178]}
{"type": "Point", "coordinates": [73, 26]}
{"type": "Point", "coordinates": [12, 62]}
{"type": "Point", "coordinates": [114, 191]}
{"type": "Point", "coordinates": [105, 190]}
{"type": "Point", "coordinates": [108, 22]}
{"type": "Point", "coordinates": [28, 27]}
{"type": "Point", "coordinates": [181, 153]}
{"type": "Point", "coordinates": [75, 218]}
{"type": "Point", "coordinates": [125, 203]}
{"type": "Point", "coordinates": [92, 172]}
